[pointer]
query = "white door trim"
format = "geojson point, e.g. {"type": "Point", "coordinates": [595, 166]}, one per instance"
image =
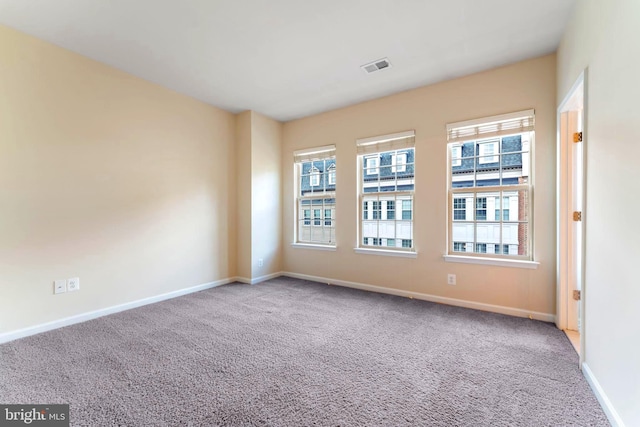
{"type": "Point", "coordinates": [563, 216]}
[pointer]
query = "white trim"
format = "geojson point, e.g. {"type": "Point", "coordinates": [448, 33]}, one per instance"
{"type": "Point", "coordinates": [258, 279]}
{"type": "Point", "coordinates": [315, 153]}
{"type": "Point", "coordinates": [314, 247]}
{"type": "Point", "coordinates": [607, 406]}
{"type": "Point", "coordinates": [385, 138]}
{"type": "Point", "coordinates": [491, 119]}
{"type": "Point", "coordinates": [83, 317]}
{"type": "Point", "coordinates": [517, 312]}
{"type": "Point", "coordinates": [517, 263]}
{"type": "Point", "coordinates": [386, 252]}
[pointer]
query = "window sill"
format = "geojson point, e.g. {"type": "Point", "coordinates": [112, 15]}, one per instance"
{"type": "Point", "coordinates": [383, 252]}
{"type": "Point", "coordinates": [516, 263]}
{"type": "Point", "coordinates": [314, 247]}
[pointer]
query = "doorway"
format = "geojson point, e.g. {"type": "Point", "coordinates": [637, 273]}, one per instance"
{"type": "Point", "coordinates": [571, 216]}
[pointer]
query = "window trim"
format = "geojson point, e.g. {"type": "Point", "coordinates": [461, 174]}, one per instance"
{"type": "Point", "coordinates": [326, 154]}
{"type": "Point", "coordinates": [487, 129]}
{"type": "Point", "coordinates": [372, 169]}
{"type": "Point", "coordinates": [314, 176]}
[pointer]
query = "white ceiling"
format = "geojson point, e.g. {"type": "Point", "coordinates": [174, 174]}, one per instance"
{"type": "Point", "coordinates": [293, 58]}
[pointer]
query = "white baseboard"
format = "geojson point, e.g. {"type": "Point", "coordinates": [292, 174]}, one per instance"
{"type": "Point", "coordinates": [257, 279]}
{"type": "Point", "coordinates": [608, 408]}
{"type": "Point", "coordinates": [545, 317]}
{"type": "Point", "coordinates": [44, 327]}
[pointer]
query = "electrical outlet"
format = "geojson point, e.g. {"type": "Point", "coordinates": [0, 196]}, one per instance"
{"type": "Point", "coordinates": [59, 286]}
{"type": "Point", "coordinates": [73, 284]}
{"type": "Point", "coordinates": [260, 262]}
{"type": "Point", "coordinates": [451, 279]}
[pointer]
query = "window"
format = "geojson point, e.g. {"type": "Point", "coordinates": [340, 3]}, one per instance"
{"type": "Point", "coordinates": [459, 208]}
{"type": "Point", "coordinates": [459, 247]}
{"type": "Point", "coordinates": [505, 208]}
{"type": "Point", "coordinates": [487, 150]}
{"type": "Point", "coordinates": [399, 162]}
{"type": "Point", "coordinates": [456, 155]}
{"type": "Point", "coordinates": [371, 165]}
{"type": "Point", "coordinates": [490, 189]}
{"type": "Point", "coordinates": [406, 209]}
{"type": "Point", "coordinates": [391, 209]}
{"type": "Point", "coordinates": [386, 185]}
{"type": "Point", "coordinates": [481, 209]}
{"type": "Point", "coordinates": [332, 175]}
{"type": "Point", "coordinates": [314, 177]}
{"type": "Point", "coordinates": [315, 195]}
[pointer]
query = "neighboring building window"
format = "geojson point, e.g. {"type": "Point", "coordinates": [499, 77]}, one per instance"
{"type": "Point", "coordinates": [332, 175]}
{"type": "Point", "coordinates": [505, 208]}
{"type": "Point", "coordinates": [456, 155]}
{"type": "Point", "coordinates": [387, 167]}
{"type": "Point", "coordinates": [399, 162]}
{"type": "Point", "coordinates": [315, 195]}
{"type": "Point", "coordinates": [487, 151]}
{"type": "Point", "coordinates": [490, 187]}
{"type": "Point", "coordinates": [316, 217]}
{"type": "Point", "coordinates": [391, 209]}
{"type": "Point", "coordinates": [481, 209]}
{"type": "Point", "coordinates": [459, 208]}
{"type": "Point", "coordinates": [371, 165]}
{"type": "Point", "coordinates": [314, 177]}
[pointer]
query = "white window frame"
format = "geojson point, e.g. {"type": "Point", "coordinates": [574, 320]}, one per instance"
{"type": "Point", "coordinates": [316, 200]}
{"type": "Point", "coordinates": [372, 148]}
{"type": "Point", "coordinates": [491, 130]}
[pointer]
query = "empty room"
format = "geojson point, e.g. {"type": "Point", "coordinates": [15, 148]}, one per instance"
{"type": "Point", "coordinates": [337, 213]}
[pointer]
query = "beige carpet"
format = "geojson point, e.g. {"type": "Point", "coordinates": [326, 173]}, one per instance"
{"type": "Point", "coordinates": [295, 353]}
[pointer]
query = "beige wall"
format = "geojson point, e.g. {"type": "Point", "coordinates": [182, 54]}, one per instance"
{"type": "Point", "coordinates": [603, 36]}
{"type": "Point", "coordinates": [244, 189]}
{"type": "Point", "coordinates": [107, 177]}
{"type": "Point", "coordinates": [529, 84]}
{"type": "Point", "coordinates": [266, 236]}
{"type": "Point", "coordinates": [259, 141]}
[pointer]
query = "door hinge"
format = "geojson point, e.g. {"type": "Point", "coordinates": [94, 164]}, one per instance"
{"type": "Point", "coordinates": [577, 295]}
{"type": "Point", "coordinates": [577, 137]}
{"type": "Point", "coordinates": [577, 216]}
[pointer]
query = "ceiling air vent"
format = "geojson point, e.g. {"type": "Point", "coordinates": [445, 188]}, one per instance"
{"type": "Point", "coordinates": [374, 66]}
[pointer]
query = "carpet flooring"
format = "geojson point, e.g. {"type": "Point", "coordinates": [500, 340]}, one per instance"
{"type": "Point", "coordinates": [289, 352]}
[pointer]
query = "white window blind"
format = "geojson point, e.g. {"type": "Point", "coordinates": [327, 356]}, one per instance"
{"type": "Point", "coordinates": [316, 153]}
{"type": "Point", "coordinates": [505, 124]}
{"type": "Point", "coordinates": [377, 144]}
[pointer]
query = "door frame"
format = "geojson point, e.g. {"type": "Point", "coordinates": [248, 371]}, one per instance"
{"type": "Point", "coordinates": [563, 216]}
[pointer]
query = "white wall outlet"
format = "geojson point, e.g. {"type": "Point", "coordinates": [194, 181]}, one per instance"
{"type": "Point", "coordinates": [451, 279]}
{"type": "Point", "coordinates": [260, 262]}
{"type": "Point", "coordinates": [59, 286]}
{"type": "Point", "coordinates": [73, 284]}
